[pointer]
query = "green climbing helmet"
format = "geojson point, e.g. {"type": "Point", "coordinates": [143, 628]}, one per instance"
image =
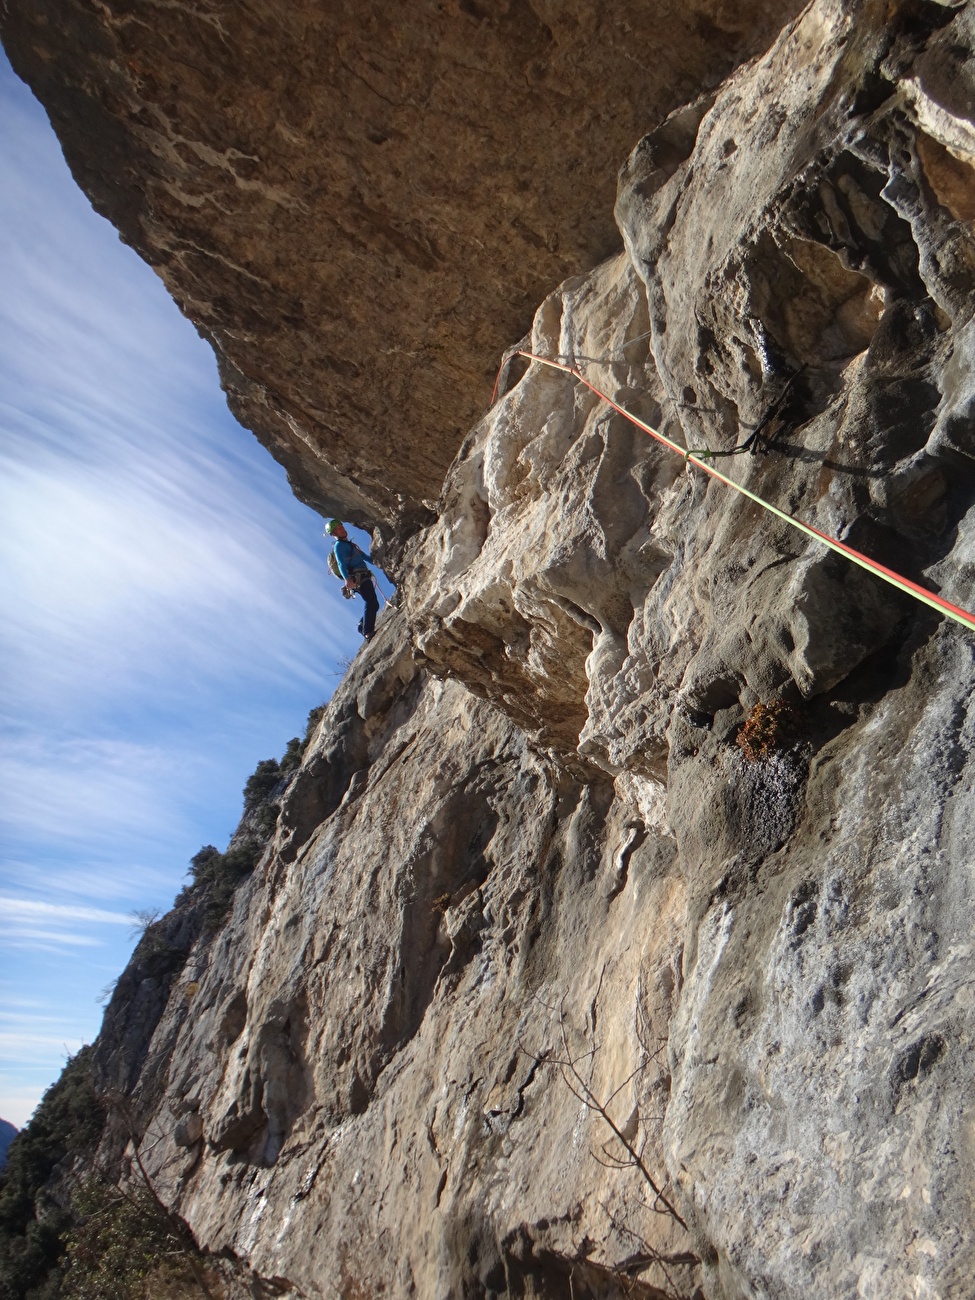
{"type": "Point", "coordinates": [332, 525]}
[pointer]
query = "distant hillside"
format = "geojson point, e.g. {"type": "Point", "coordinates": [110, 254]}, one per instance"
{"type": "Point", "coordinates": [7, 1135]}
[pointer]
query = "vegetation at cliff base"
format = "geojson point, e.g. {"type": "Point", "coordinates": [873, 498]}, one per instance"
{"type": "Point", "coordinates": [126, 1247]}
{"type": "Point", "coordinates": [65, 1125]}
{"type": "Point", "coordinates": [66, 1232]}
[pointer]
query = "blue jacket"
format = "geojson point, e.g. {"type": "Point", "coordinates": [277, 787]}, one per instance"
{"type": "Point", "coordinates": [349, 557]}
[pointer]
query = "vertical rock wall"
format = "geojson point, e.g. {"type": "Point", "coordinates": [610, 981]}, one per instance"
{"type": "Point", "coordinates": [798, 263]}
{"type": "Point", "coordinates": [525, 861]}
{"type": "Point", "coordinates": [364, 1094]}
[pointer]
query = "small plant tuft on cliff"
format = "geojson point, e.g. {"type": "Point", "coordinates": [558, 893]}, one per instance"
{"type": "Point", "coordinates": [261, 784]}
{"type": "Point", "coordinates": [269, 773]}
{"type": "Point", "coordinates": [295, 751]}
{"type": "Point", "coordinates": [292, 756]}
{"type": "Point", "coordinates": [314, 718]}
{"type": "Point", "coordinates": [767, 729]}
{"type": "Point", "coordinates": [220, 873]}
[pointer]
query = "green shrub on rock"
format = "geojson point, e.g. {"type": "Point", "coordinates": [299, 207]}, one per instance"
{"type": "Point", "coordinates": [65, 1125]}
{"type": "Point", "coordinates": [261, 784]}
{"type": "Point", "coordinates": [125, 1247]}
{"type": "Point", "coordinates": [220, 873]}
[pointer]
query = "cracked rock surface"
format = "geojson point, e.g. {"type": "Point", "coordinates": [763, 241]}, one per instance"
{"type": "Point", "coordinates": [359, 204]}
{"type": "Point", "coordinates": [798, 262]}
{"type": "Point", "coordinates": [526, 861]}
{"type": "Point", "coordinates": [363, 1094]}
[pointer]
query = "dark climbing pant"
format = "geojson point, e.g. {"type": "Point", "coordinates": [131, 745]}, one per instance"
{"type": "Point", "coordinates": [367, 590]}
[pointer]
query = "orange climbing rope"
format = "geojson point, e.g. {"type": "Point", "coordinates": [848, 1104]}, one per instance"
{"type": "Point", "coordinates": [943, 606]}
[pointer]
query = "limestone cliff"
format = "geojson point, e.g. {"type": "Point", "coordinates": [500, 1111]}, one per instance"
{"type": "Point", "coordinates": [524, 863]}
{"type": "Point", "coordinates": [360, 204]}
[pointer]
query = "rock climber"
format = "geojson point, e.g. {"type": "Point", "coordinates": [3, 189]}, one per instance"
{"type": "Point", "coordinates": [351, 564]}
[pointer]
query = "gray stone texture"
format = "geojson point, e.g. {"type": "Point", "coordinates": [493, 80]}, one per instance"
{"type": "Point", "coordinates": [359, 204]}
{"type": "Point", "coordinates": [524, 841]}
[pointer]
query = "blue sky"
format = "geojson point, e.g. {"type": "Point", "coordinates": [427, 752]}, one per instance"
{"type": "Point", "coordinates": [167, 616]}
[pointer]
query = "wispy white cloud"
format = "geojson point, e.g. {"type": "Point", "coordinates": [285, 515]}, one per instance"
{"type": "Point", "coordinates": [30, 939]}
{"type": "Point", "coordinates": [38, 1016]}
{"type": "Point", "coordinates": [31, 909]}
{"type": "Point", "coordinates": [109, 878]}
{"type": "Point", "coordinates": [32, 924]}
{"type": "Point", "coordinates": [96, 877]}
{"type": "Point", "coordinates": [117, 575]}
{"type": "Point", "coordinates": [167, 617]}
{"type": "Point", "coordinates": [22, 1034]}
{"type": "Point", "coordinates": [84, 788]}
{"type": "Point", "coordinates": [22, 1044]}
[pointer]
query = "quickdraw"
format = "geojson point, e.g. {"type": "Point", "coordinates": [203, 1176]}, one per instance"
{"type": "Point", "coordinates": [698, 457]}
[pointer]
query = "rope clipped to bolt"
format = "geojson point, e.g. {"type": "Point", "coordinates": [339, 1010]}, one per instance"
{"type": "Point", "coordinates": [699, 458]}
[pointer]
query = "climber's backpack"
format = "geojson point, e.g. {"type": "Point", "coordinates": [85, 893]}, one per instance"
{"type": "Point", "coordinates": [333, 565]}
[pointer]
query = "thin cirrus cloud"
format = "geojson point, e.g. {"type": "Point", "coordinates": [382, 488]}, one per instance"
{"type": "Point", "coordinates": [84, 790]}
{"type": "Point", "coordinates": [114, 570]}
{"type": "Point", "coordinates": [167, 617]}
{"type": "Point", "coordinates": [123, 511]}
{"type": "Point", "coordinates": [51, 927]}
{"type": "Point", "coordinates": [27, 909]}
{"type": "Point", "coordinates": [31, 1037]}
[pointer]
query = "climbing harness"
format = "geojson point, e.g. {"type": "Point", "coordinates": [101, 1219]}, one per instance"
{"type": "Point", "coordinates": [333, 568]}
{"type": "Point", "coordinates": [698, 457]}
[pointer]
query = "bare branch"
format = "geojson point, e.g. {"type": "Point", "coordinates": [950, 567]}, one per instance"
{"type": "Point", "coordinates": [611, 1163]}
{"type": "Point", "coordinates": [651, 1256]}
{"type": "Point", "coordinates": [629, 1079]}
{"type": "Point", "coordinates": [142, 918]}
{"type": "Point", "coordinates": [179, 1229]}
{"type": "Point", "coordinates": [583, 1091]}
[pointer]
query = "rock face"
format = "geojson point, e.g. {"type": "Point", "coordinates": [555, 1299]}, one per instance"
{"type": "Point", "coordinates": [360, 204]}
{"type": "Point", "coordinates": [360, 1098]}
{"type": "Point", "coordinates": [795, 241]}
{"type": "Point", "coordinates": [534, 932]}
